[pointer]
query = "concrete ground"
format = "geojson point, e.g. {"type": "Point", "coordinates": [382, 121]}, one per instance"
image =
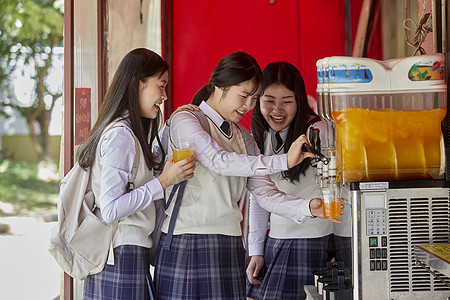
{"type": "Point", "coordinates": [27, 270]}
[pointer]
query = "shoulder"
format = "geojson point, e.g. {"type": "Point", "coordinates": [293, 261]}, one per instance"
{"type": "Point", "coordinates": [188, 121]}
{"type": "Point", "coordinates": [117, 137]}
{"type": "Point", "coordinates": [184, 115]}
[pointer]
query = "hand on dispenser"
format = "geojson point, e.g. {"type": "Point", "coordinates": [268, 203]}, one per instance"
{"type": "Point", "coordinates": [316, 209]}
{"type": "Point", "coordinates": [307, 148]}
{"type": "Point", "coordinates": [296, 154]}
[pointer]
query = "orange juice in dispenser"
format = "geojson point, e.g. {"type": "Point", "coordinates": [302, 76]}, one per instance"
{"type": "Point", "coordinates": [388, 117]}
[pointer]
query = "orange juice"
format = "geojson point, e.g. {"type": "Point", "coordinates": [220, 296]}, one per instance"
{"type": "Point", "coordinates": [331, 210]}
{"type": "Point", "coordinates": [182, 154]}
{"type": "Point", "coordinates": [389, 144]}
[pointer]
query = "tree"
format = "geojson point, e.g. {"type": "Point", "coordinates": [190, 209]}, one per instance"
{"type": "Point", "coordinates": [29, 33]}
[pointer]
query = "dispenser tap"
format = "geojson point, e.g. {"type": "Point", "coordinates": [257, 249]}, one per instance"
{"type": "Point", "coordinates": [320, 156]}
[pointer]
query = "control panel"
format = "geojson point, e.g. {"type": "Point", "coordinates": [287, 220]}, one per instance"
{"type": "Point", "coordinates": [376, 221]}
{"type": "Point", "coordinates": [378, 253]}
{"type": "Point", "coordinates": [376, 231]}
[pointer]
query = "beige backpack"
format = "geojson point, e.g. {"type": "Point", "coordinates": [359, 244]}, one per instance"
{"type": "Point", "coordinates": [80, 242]}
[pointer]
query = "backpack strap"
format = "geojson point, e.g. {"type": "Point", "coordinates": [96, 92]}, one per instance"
{"type": "Point", "coordinates": [180, 188]}
{"type": "Point", "coordinates": [201, 117]}
{"type": "Point", "coordinates": [130, 185]}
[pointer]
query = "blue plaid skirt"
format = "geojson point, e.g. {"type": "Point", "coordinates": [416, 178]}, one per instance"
{"type": "Point", "coordinates": [344, 250]}
{"type": "Point", "coordinates": [201, 266]}
{"type": "Point", "coordinates": [289, 264]}
{"type": "Point", "coordinates": [129, 278]}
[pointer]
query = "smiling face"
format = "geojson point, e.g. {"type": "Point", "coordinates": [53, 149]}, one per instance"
{"type": "Point", "coordinates": [234, 102]}
{"type": "Point", "coordinates": [278, 106]}
{"type": "Point", "coordinates": [152, 93]}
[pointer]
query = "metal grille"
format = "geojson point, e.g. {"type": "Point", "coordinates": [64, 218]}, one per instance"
{"type": "Point", "coordinates": [414, 221]}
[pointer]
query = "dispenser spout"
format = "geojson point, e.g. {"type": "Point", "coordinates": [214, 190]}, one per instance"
{"type": "Point", "coordinates": [307, 148]}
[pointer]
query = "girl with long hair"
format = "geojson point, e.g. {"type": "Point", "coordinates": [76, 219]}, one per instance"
{"type": "Point", "coordinates": [131, 110]}
{"type": "Point", "coordinates": [282, 263]}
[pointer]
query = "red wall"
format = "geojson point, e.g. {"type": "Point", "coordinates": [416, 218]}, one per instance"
{"type": "Point", "coordinates": [299, 32]}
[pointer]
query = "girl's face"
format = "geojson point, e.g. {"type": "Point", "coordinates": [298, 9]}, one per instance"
{"type": "Point", "coordinates": [278, 106]}
{"type": "Point", "coordinates": [152, 93]}
{"type": "Point", "coordinates": [236, 100]}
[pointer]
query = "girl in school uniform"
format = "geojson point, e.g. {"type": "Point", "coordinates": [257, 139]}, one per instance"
{"type": "Point", "coordinates": [282, 263]}
{"type": "Point", "coordinates": [131, 109]}
{"type": "Point", "coordinates": [206, 257]}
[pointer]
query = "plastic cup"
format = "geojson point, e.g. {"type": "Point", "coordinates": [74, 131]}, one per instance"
{"type": "Point", "coordinates": [331, 205]}
{"type": "Point", "coordinates": [181, 150]}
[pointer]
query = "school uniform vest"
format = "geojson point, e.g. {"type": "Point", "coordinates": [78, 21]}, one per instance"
{"type": "Point", "coordinates": [136, 228]}
{"type": "Point", "coordinates": [209, 204]}
{"type": "Point", "coordinates": [281, 227]}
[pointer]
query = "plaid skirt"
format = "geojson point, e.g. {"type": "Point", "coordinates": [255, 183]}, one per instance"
{"type": "Point", "coordinates": [289, 264]}
{"type": "Point", "coordinates": [129, 277]}
{"type": "Point", "coordinates": [201, 266]}
{"type": "Point", "coordinates": [344, 250]}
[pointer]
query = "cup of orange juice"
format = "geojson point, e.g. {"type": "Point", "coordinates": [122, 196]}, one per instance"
{"type": "Point", "coordinates": [331, 205]}
{"type": "Point", "coordinates": [181, 150]}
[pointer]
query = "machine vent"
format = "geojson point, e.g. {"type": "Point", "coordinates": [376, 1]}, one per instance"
{"type": "Point", "coordinates": [414, 221]}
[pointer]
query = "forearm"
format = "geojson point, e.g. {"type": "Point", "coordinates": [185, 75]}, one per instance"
{"type": "Point", "coordinates": [275, 201]}
{"type": "Point", "coordinates": [258, 226]}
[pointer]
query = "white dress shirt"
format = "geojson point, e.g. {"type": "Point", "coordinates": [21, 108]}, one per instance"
{"type": "Point", "coordinates": [117, 151]}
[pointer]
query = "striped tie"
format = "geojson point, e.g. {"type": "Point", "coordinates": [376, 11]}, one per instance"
{"type": "Point", "coordinates": [279, 141]}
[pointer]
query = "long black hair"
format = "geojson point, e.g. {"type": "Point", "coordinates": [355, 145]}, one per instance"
{"type": "Point", "coordinates": [233, 69]}
{"type": "Point", "coordinates": [287, 75]}
{"type": "Point", "coordinates": [123, 95]}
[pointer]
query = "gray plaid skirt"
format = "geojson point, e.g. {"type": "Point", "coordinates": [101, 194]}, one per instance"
{"type": "Point", "coordinates": [201, 266]}
{"type": "Point", "coordinates": [128, 279]}
{"type": "Point", "coordinates": [289, 264]}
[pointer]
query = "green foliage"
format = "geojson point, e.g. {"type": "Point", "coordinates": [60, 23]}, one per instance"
{"type": "Point", "coordinates": [20, 187]}
{"type": "Point", "coordinates": [29, 33]}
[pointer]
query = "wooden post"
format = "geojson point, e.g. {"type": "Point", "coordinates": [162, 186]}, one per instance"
{"type": "Point", "coordinates": [68, 110]}
{"type": "Point", "coordinates": [101, 50]}
{"type": "Point", "coordinates": [364, 29]}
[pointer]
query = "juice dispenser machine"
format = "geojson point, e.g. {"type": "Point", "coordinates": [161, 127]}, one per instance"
{"type": "Point", "coordinates": [385, 125]}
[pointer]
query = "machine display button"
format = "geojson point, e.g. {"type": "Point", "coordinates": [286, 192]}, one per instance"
{"type": "Point", "coordinates": [373, 241]}
{"type": "Point", "coordinates": [372, 253]}
{"type": "Point", "coordinates": [372, 265]}
{"type": "Point", "coordinates": [384, 264]}
{"type": "Point", "coordinates": [378, 265]}
{"type": "Point", "coordinates": [384, 241]}
{"type": "Point", "coordinates": [378, 252]}
{"type": "Point", "coordinates": [384, 253]}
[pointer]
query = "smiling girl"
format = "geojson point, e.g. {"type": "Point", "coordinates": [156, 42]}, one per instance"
{"type": "Point", "coordinates": [207, 258]}
{"type": "Point", "coordinates": [131, 108]}
{"type": "Point", "coordinates": [282, 263]}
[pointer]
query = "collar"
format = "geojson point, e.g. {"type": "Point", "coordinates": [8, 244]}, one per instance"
{"type": "Point", "coordinates": [283, 133]}
{"type": "Point", "coordinates": [211, 113]}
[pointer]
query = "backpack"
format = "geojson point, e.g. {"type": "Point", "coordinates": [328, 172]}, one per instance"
{"type": "Point", "coordinates": [80, 242]}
